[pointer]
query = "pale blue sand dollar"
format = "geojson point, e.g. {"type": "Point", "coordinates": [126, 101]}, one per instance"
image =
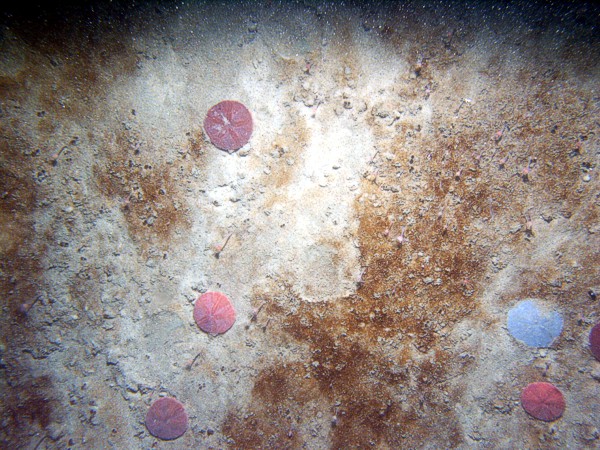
{"type": "Point", "coordinates": [534, 323]}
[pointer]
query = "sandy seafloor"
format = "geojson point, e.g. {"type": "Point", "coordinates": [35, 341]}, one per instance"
{"type": "Point", "coordinates": [471, 129]}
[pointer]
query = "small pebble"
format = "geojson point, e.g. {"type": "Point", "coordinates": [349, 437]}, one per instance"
{"type": "Point", "coordinates": [586, 177]}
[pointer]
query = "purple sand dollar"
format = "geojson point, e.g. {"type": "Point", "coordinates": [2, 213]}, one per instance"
{"type": "Point", "coordinates": [543, 401]}
{"type": "Point", "coordinates": [166, 419]}
{"type": "Point", "coordinates": [214, 313]}
{"type": "Point", "coordinates": [228, 125]}
{"type": "Point", "coordinates": [595, 341]}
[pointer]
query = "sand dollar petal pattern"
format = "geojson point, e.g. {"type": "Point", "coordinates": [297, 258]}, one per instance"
{"type": "Point", "coordinates": [228, 125]}
{"type": "Point", "coordinates": [543, 401]}
{"type": "Point", "coordinates": [534, 323]}
{"type": "Point", "coordinates": [166, 419]}
{"type": "Point", "coordinates": [214, 313]}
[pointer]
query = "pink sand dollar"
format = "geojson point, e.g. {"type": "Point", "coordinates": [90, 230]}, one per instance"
{"type": "Point", "coordinates": [595, 341]}
{"type": "Point", "coordinates": [166, 419]}
{"type": "Point", "coordinates": [214, 313]}
{"type": "Point", "coordinates": [543, 401]}
{"type": "Point", "coordinates": [228, 125]}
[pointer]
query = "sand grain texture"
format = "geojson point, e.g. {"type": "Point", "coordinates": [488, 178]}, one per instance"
{"type": "Point", "coordinates": [469, 129]}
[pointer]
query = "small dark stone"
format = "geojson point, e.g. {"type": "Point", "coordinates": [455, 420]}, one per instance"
{"type": "Point", "coordinates": [592, 294]}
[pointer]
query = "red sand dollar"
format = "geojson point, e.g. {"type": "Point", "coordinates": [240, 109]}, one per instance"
{"type": "Point", "coordinates": [543, 401]}
{"type": "Point", "coordinates": [214, 313]}
{"type": "Point", "coordinates": [228, 125]}
{"type": "Point", "coordinates": [166, 419]}
{"type": "Point", "coordinates": [595, 341]}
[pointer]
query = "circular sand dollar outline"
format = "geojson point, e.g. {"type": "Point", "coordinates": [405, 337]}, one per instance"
{"type": "Point", "coordinates": [214, 313]}
{"type": "Point", "coordinates": [166, 419]}
{"type": "Point", "coordinates": [228, 125]}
